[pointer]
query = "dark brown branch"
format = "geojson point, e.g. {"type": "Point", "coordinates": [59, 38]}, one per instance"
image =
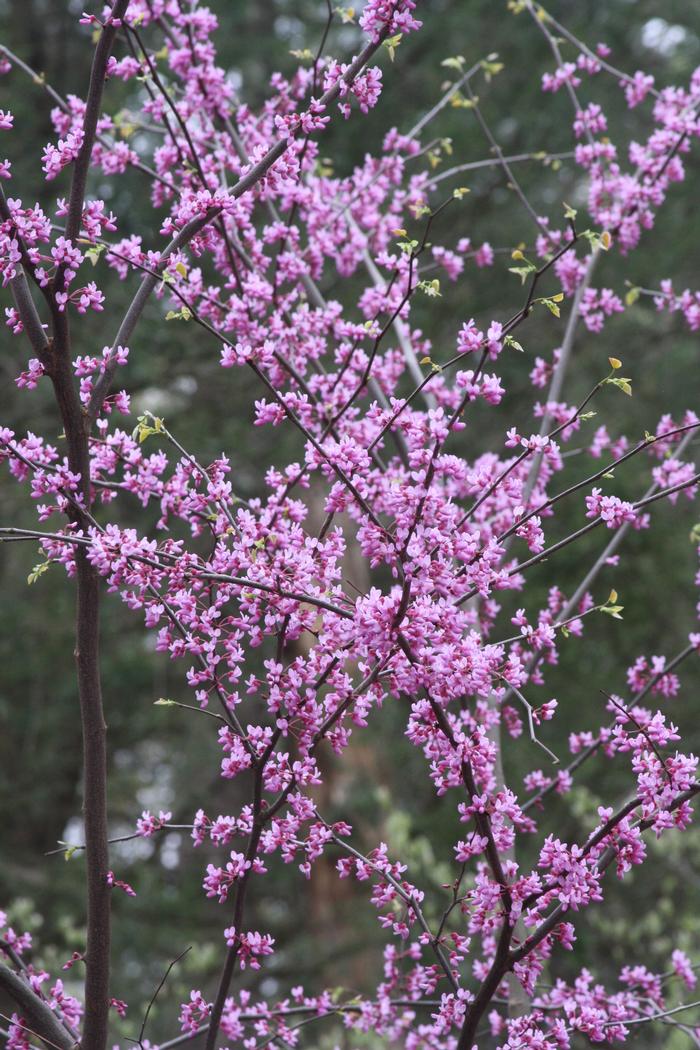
{"type": "Point", "coordinates": [155, 994]}
{"type": "Point", "coordinates": [29, 316]}
{"type": "Point", "coordinates": [241, 890]}
{"type": "Point", "coordinates": [92, 114]}
{"type": "Point", "coordinates": [39, 1014]}
{"type": "Point", "coordinates": [87, 655]}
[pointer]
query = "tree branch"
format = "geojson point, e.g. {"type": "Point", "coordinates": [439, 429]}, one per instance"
{"type": "Point", "coordinates": [45, 1023]}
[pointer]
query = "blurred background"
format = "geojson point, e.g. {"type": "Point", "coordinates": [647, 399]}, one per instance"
{"type": "Point", "coordinates": [162, 757]}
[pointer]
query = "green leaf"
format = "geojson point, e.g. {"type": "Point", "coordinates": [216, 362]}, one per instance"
{"type": "Point", "coordinates": [456, 62]}
{"type": "Point", "coordinates": [431, 288]}
{"type": "Point", "coordinates": [391, 43]}
{"type": "Point", "coordinates": [37, 571]}
{"type": "Point", "coordinates": [509, 341]}
{"type": "Point", "coordinates": [324, 168]}
{"type": "Point", "coordinates": [601, 240]}
{"type": "Point", "coordinates": [347, 14]}
{"type": "Point", "coordinates": [94, 253]}
{"type": "Point", "coordinates": [623, 384]}
{"type": "Point", "coordinates": [458, 101]}
{"type": "Point", "coordinates": [144, 429]}
{"type": "Point", "coordinates": [178, 315]}
{"type": "Point", "coordinates": [491, 68]}
{"type": "Point", "coordinates": [552, 304]}
{"type": "Point", "coordinates": [523, 272]}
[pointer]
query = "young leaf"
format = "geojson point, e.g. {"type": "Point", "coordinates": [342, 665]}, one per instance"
{"type": "Point", "coordinates": [391, 43]}
{"type": "Point", "coordinates": [37, 571]}
{"type": "Point", "coordinates": [431, 288]}
{"type": "Point", "coordinates": [625, 385]}
{"type": "Point", "coordinates": [94, 253]}
{"type": "Point", "coordinates": [457, 63]}
{"type": "Point", "coordinates": [183, 314]}
{"type": "Point", "coordinates": [523, 272]}
{"type": "Point", "coordinates": [551, 305]}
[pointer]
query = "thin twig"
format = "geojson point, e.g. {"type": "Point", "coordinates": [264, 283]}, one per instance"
{"type": "Point", "coordinates": [155, 994]}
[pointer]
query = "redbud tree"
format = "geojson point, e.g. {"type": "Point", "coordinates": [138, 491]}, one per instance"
{"type": "Point", "coordinates": [310, 282]}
